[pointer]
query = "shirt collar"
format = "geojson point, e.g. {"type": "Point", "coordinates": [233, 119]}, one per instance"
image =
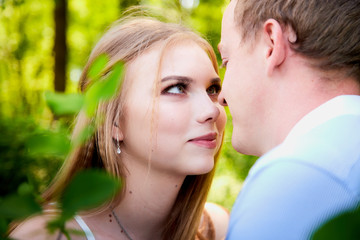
{"type": "Point", "coordinates": [340, 105]}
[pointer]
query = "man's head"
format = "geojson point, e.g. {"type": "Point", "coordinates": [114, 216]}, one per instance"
{"type": "Point", "coordinates": [326, 31]}
{"type": "Point", "coordinates": [284, 58]}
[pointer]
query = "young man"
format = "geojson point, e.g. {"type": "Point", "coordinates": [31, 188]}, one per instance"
{"type": "Point", "coordinates": [292, 85]}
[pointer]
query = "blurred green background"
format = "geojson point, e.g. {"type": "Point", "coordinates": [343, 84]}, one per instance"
{"type": "Point", "coordinates": [44, 45]}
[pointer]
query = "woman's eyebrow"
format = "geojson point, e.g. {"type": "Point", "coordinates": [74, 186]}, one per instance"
{"type": "Point", "coordinates": [188, 80]}
{"type": "Point", "coordinates": [179, 78]}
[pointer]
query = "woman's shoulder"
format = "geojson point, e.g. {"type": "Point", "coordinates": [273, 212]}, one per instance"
{"type": "Point", "coordinates": [214, 222]}
{"type": "Point", "coordinates": [33, 228]}
{"type": "Point", "coordinates": [36, 228]}
{"type": "Point", "coordinates": [219, 217]}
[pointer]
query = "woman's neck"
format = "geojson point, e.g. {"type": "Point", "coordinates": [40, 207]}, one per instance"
{"type": "Point", "coordinates": [148, 199]}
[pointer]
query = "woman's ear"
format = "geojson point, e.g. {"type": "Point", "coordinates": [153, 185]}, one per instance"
{"type": "Point", "coordinates": [117, 133]}
{"type": "Point", "coordinates": [276, 45]}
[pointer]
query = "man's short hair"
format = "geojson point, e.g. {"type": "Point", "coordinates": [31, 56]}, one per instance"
{"type": "Point", "coordinates": [327, 31]}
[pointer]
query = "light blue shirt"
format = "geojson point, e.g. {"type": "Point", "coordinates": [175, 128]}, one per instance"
{"type": "Point", "coordinates": [312, 176]}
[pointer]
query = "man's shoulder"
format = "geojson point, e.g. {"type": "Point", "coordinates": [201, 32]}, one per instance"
{"type": "Point", "coordinates": [331, 148]}
{"type": "Point", "coordinates": [288, 195]}
{"type": "Point", "coordinates": [310, 177]}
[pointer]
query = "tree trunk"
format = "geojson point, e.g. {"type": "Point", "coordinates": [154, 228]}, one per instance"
{"type": "Point", "coordinates": [60, 47]}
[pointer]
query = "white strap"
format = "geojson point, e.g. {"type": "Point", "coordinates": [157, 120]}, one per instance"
{"type": "Point", "coordinates": [89, 235]}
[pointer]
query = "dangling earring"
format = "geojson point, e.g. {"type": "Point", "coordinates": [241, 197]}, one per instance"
{"type": "Point", "coordinates": [118, 150]}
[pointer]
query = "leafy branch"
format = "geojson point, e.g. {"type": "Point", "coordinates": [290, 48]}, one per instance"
{"type": "Point", "coordinates": [88, 189]}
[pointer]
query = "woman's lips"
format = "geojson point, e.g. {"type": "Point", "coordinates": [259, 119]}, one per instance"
{"type": "Point", "coordinates": [206, 141]}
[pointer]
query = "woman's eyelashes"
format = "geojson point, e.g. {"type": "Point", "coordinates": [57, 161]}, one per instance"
{"type": "Point", "coordinates": [214, 89]}
{"type": "Point", "coordinates": [183, 88]}
{"type": "Point", "coordinates": [178, 88]}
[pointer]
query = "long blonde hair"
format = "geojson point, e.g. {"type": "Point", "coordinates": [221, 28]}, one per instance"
{"type": "Point", "coordinates": [126, 40]}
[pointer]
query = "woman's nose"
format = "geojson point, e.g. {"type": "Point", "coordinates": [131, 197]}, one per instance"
{"type": "Point", "coordinates": [208, 110]}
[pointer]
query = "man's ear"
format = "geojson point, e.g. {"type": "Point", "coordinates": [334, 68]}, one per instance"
{"type": "Point", "coordinates": [276, 45]}
{"type": "Point", "coordinates": [117, 133]}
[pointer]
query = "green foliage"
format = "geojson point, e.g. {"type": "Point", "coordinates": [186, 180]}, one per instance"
{"type": "Point", "coordinates": [86, 191]}
{"type": "Point", "coordinates": [97, 66]}
{"type": "Point", "coordinates": [19, 207]}
{"type": "Point", "coordinates": [3, 228]}
{"type": "Point", "coordinates": [86, 24]}
{"type": "Point", "coordinates": [26, 37]}
{"type": "Point", "coordinates": [90, 188]}
{"type": "Point", "coordinates": [50, 144]}
{"type": "Point", "coordinates": [18, 165]}
{"type": "Point", "coordinates": [102, 90]}
{"type": "Point", "coordinates": [64, 104]}
{"type": "Point", "coordinates": [344, 226]}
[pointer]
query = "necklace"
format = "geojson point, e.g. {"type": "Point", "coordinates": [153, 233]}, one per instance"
{"type": "Point", "coordinates": [120, 225]}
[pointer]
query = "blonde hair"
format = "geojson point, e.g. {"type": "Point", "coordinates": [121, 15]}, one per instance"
{"type": "Point", "coordinates": [123, 42]}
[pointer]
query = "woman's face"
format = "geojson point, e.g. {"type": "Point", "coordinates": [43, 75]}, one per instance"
{"type": "Point", "coordinates": [178, 124]}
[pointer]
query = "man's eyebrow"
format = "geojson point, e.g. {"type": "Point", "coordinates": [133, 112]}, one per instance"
{"type": "Point", "coordinates": [176, 77]}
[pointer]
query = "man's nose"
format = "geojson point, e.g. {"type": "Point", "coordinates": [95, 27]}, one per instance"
{"type": "Point", "coordinates": [222, 99]}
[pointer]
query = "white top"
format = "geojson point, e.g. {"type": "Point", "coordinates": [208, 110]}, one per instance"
{"type": "Point", "coordinates": [89, 235]}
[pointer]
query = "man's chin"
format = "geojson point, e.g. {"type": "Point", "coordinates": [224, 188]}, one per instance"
{"type": "Point", "coordinates": [241, 144]}
{"type": "Point", "coordinates": [238, 143]}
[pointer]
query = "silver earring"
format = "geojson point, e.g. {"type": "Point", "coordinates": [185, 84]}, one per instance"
{"type": "Point", "coordinates": [118, 150]}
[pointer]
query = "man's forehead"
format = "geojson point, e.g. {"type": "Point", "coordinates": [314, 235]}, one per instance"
{"type": "Point", "coordinates": [229, 15]}
{"type": "Point", "coordinates": [228, 26]}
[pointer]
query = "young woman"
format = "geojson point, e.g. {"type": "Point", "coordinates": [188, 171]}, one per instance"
{"type": "Point", "coordinates": [161, 136]}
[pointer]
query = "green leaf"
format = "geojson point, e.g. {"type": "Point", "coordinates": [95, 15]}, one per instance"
{"type": "Point", "coordinates": [3, 227]}
{"type": "Point", "coordinates": [112, 82]}
{"type": "Point", "coordinates": [19, 207]}
{"type": "Point", "coordinates": [344, 226]}
{"type": "Point", "coordinates": [25, 189]}
{"type": "Point", "coordinates": [64, 104]}
{"type": "Point", "coordinates": [98, 66]}
{"type": "Point", "coordinates": [103, 89]}
{"type": "Point", "coordinates": [54, 144]}
{"type": "Point", "coordinates": [57, 224]}
{"type": "Point", "coordinates": [86, 133]}
{"type": "Point", "coordinates": [88, 189]}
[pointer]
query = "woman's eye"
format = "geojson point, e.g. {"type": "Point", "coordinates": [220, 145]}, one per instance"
{"type": "Point", "coordinates": [214, 89]}
{"type": "Point", "coordinates": [175, 89]}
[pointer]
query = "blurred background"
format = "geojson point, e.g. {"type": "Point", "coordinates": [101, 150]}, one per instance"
{"type": "Point", "coordinates": [44, 45]}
